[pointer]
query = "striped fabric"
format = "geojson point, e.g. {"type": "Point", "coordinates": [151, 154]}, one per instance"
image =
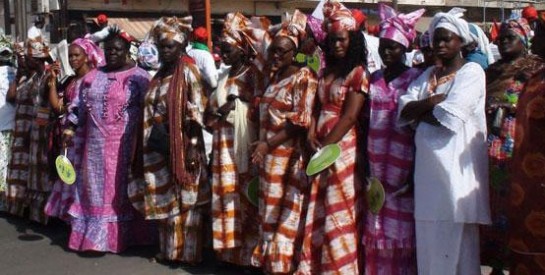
{"type": "Point", "coordinates": [27, 187]}
{"type": "Point", "coordinates": [282, 178]}
{"type": "Point", "coordinates": [331, 242]}
{"type": "Point", "coordinates": [235, 221]}
{"type": "Point", "coordinates": [154, 194]}
{"type": "Point", "coordinates": [389, 236]}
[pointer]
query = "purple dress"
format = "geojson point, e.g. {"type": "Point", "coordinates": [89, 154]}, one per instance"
{"type": "Point", "coordinates": [107, 112]}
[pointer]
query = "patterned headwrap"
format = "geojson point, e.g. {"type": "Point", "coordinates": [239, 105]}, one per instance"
{"type": "Point", "coordinates": [294, 29]}
{"type": "Point", "coordinates": [453, 22]}
{"type": "Point", "coordinates": [425, 41]}
{"type": "Point", "coordinates": [521, 27]}
{"type": "Point", "coordinates": [398, 27]}
{"type": "Point", "coordinates": [148, 55]}
{"type": "Point", "coordinates": [6, 49]}
{"type": "Point", "coordinates": [95, 55]}
{"type": "Point", "coordinates": [37, 48]}
{"type": "Point", "coordinates": [245, 34]}
{"type": "Point", "coordinates": [337, 17]}
{"type": "Point", "coordinates": [173, 28]}
{"type": "Point", "coordinates": [315, 25]}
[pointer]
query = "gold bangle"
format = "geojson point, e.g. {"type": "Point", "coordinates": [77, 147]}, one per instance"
{"type": "Point", "coordinates": [68, 132]}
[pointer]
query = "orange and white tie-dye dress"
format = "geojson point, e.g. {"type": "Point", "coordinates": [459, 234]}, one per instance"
{"type": "Point", "coordinates": [282, 175]}
{"type": "Point", "coordinates": [333, 222]}
{"type": "Point", "coordinates": [235, 223]}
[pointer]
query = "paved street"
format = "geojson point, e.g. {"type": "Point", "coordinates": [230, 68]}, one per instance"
{"type": "Point", "coordinates": [30, 248]}
{"type": "Point", "coordinates": [27, 249]}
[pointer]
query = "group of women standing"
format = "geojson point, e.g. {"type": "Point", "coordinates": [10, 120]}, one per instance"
{"type": "Point", "coordinates": [142, 176]}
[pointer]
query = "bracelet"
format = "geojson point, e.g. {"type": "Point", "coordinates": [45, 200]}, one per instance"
{"type": "Point", "coordinates": [68, 132]}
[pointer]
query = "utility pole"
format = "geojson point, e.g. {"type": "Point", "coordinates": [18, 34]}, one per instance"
{"type": "Point", "coordinates": [394, 4]}
{"type": "Point", "coordinates": [64, 19]}
{"type": "Point", "coordinates": [7, 18]}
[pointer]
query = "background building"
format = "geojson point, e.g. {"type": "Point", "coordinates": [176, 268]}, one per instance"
{"type": "Point", "coordinates": [136, 16]}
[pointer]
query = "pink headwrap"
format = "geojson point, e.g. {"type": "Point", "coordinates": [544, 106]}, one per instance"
{"type": "Point", "coordinates": [337, 17]}
{"type": "Point", "coordinates": [398, 27]}
{"type": "Point", "coordinates": [95, 55]}
{"type": "Point", "coordinates": [294, 29]}
{"type": "Point", "coordinates": [315, 25]}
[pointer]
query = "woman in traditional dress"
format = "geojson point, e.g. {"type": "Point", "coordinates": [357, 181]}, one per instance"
{"type": "Point", "coordinates": [446, 103]}
{"type": "Point", "coordinates": [332, 238]}
{"type": "Point", "coordinates": [389, 238]}
{"type": "Point", "coordinates": [235, 222]}
{"type": "Point", "coordinates": [505, 79]}
{"type": "Point", "coordinates": [285, 114]}
{"type": "Point", "coordinates": [8, 87]}
{"type": "Point", "coordinates": [105, 116]}
{"type": "Point", "coordinates": [526, 206]}
{"type": "Point", "coordinates": [28, 177]}
{"type": "Point", "coordinates": [172, 186]}
{"type": "Point", "coordinates": [83, 56]}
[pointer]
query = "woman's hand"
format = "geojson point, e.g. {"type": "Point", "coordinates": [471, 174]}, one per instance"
{"type": "Point", "coordinates": [192, 158]}
{"type": "Point", "coordinates": [313, 141]}
{"type": "Point", "coordinates": [261, 149]}
{"type": "Point", "coordinates": [54, 71]}
{"type": "Point", "coordinates": [67, 136]}
{"type": "Point", "coordinates": [226, 108]}
{"type": "Point", "coordinates": [436, 99]}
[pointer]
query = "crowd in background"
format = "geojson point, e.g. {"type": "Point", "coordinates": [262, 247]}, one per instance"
{"type": "Point", "coordinates": [166, 140]}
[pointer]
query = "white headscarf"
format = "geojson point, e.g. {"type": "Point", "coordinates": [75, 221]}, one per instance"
{"type": "Point", "coordinates": [453, 22]}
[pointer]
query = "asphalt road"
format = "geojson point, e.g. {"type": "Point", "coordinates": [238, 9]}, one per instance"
{"type": "Point", "coordinates": [30, 248]}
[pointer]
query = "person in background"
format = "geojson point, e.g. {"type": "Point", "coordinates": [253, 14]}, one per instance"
{"type": "Point", "coordinates": [426, 52]}
{"type": "Point", "coordinates": [285, 113]}
{"type": "Point", "coordinates": [526, 206]}
{"type": "Point", "coordinates": [332, 237]}
{"type": "Point", "coordinates": [374, 62]}
{"type": "Point", "coordinates": [505, 80]}
{"type": "Point", "coordinates": [389, 236]}
{"type": "Point", "coordinates": [8, 87]}
{"type": "Point", "coordinates": [530, 14]}
{"type": "Point", "coordinates": [104, 29]}
{"type": "Point", "coordinates": [103, 120]}
{"type": "Point", "coordinates": [446, 104]}
{"type": "Point", "coordinates": [231, 116]}
{"type": "Point", "coordinates": [28, 177]}
{"type": "Point", "coordinates": [84, 55]}
{"type": "Point", "coordinates": [200, 52]}
{"type": "Point", "coordinates": [148, 57]}
{"type": "Point", "coordinates": [36, 30]}
{"type": "Point", "coordinates": [476, 50]}
{"type": "Point", "coordinates": [171, 185]}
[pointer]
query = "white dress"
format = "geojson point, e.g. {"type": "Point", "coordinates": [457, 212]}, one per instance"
{"type": "Point", "coordinates": [451, 172]}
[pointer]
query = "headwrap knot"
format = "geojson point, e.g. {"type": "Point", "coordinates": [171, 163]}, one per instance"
{"type": "Point", "coordinates": [398, 27]}
{"type": "Point", "coordinates": [453, 22]}
{"type": "Point", "coordinates": [337, 17]}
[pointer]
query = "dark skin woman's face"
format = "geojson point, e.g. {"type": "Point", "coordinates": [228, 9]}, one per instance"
{"type": "Point", "coordinates": [169, 51]}
{"type": "Point", "coordinates": [230, 54]}
{"type": "Point", "coordinates": [446, 44]}
{"type": "Point", "coordinates": [339, 42]}
{"type": "Point", "coordinates": [35, 64]}
{"type": "Point", "coordinates": [509, 43]}
{"type": "Point", "coordinates": [21, 63]}
{"type": "Point", "coordinates": [116, 52]}
{"type": "Point", "coordinates": [76, 57]}
{"type": "Point", "coordinates": [281, 53]}
{"type": "Point", "coordinates": [391, 52]}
